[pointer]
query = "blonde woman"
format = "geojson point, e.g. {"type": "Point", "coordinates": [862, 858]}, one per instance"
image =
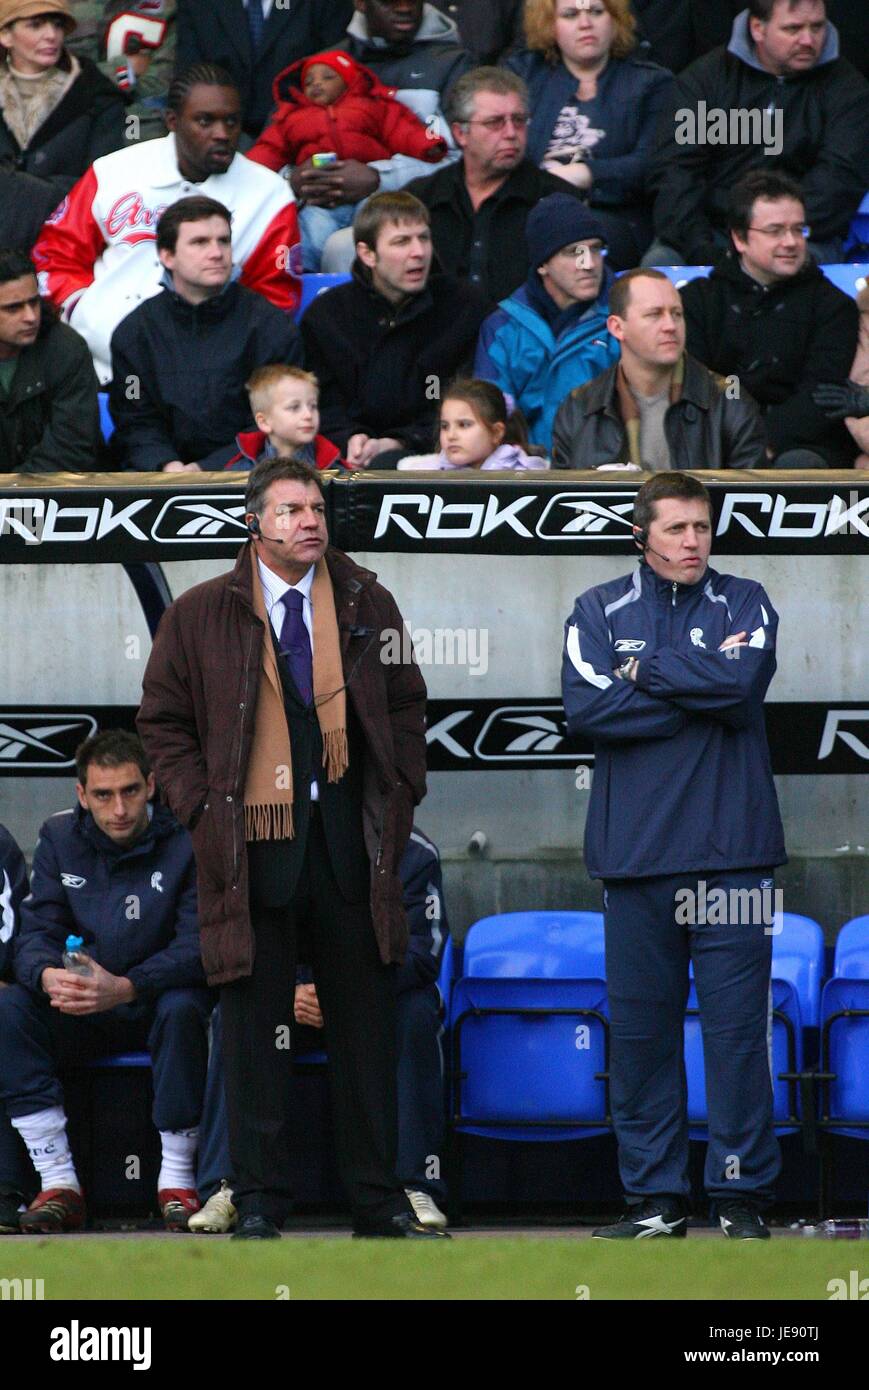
{"type": "Point", "coordinates": [595, 104]}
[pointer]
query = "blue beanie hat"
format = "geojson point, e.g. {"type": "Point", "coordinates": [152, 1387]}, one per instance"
{"type": "Point", "coordinates": [559, 220]}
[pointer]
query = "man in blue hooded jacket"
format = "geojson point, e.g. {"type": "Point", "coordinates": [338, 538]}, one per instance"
{"type": "Point", "coordinates": [551, 334]}
{"type": "Point", "coordinates": [666, 671]}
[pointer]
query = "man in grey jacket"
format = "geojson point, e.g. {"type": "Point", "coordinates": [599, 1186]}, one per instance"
{"type": "Point", "coordinates": [657, 408]}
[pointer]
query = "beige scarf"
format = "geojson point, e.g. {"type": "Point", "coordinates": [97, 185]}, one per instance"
{"type": "Point", "coordinates": [268, 788]}
{"type": "Point", "coordinates": [27, 101]}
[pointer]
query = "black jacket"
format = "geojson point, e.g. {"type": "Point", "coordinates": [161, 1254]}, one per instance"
{"type": "Point", "coordinates": [87, 123]}
{"type": "Point", "coordinates": [780, 342]}
{"type": "Point", "coordinates": [705, 428]}
{"type": "Point", "coordinates": [504, 265]}
{"type": "Point", "coordinates": [377, 363]}
{"type": "Point", "coordinates": [487, 28]}
{"type": "Point", "coordinates": [178, 375]}
{"type": "Point", "coordinates": [825, 134]}
{"type": "Point", "coordinates": [216, 31]}
{"type": "Point", "coordinates": [13, 890]}
{"type": "Point", "coordinates": [50, 421]}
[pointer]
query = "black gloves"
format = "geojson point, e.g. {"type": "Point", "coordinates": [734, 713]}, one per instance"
{"type": "Point", "coordinates": [840, 399]}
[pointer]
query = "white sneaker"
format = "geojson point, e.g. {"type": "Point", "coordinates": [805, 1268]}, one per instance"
{"type": "Point", "coordinates": [427, 1211]}
{"type": "Point", "coordinates": [218, 1215]}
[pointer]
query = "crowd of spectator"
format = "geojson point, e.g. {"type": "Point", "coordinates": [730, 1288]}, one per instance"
{"type": "Point", "coordinates": [481, 177]}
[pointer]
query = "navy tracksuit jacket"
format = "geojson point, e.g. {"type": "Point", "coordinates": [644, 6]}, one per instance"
{"type": "Point", "coordinates": [682, 791]}
{"type": "Point", "coordinates": [15, 1168]}
{"type": "Point", "coordinates": [137, 913]}
{"type": "Point", "coordinates": [13, 890]}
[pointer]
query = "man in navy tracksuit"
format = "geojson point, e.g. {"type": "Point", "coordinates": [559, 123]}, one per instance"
{"type": "Point", "coordinates": [16, 1174]}
{"type": "Point", "coordinates": [119, 874]}
{"type": "Point", "coordinates": [666, 670]}
{"type": "Point", "coordinates": [418, 1048]}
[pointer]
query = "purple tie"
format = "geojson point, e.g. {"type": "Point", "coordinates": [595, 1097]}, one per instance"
{"type": "Point", "coordinates": [295, 644]}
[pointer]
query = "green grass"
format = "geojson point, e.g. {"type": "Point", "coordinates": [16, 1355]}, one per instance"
{"type": "Point", "coordinates": [470, 1268]}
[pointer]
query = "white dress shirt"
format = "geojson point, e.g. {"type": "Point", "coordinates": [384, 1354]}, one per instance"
{"type": "Point", "coordinates": [274, 589]}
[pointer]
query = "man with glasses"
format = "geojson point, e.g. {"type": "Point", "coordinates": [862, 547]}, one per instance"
{"type": "Point", "coordinates": [778, 96]}
{"type": "Point", "coordinates": [770, 317]}
{"type": "Point", "coordinates": [551, 335]}
{"type": "Point", "coordinates": [479, 205]}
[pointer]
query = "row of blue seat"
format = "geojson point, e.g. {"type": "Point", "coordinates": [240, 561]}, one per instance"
{"type": "Point", "coordinates": [850, 278]}
{"type": "Point", "coordinates": [528, 1024]}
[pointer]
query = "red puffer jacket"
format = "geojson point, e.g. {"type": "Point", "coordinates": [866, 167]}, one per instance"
{"type": "Point", "coordinates": [365, 123]}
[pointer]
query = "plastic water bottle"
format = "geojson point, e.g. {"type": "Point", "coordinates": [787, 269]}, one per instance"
{"type": "Point", "coordinates": [74, 958]}
{"type": "Point", "coordinates": [856, 1228]}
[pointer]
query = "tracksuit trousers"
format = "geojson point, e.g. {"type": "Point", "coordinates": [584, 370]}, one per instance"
{"type": "Point", "coordinates": [654, 927]}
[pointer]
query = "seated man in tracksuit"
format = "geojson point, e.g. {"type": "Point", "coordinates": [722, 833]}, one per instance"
{"type": "Point", "coordinates": [118, 874]}
{"type": "Point", "coordinates": [420, 1059]}
{"type": "Point", "coordinates": [666, 671]}
{"type": "Point", "coordinates": [16, 1173]}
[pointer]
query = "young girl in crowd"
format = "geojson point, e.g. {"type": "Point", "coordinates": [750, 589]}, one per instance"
{"type": "Point", "coordinates": [479, 428]}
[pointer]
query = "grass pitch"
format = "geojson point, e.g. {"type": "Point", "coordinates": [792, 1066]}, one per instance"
{"type": "Point", "coordinates": [467, 1268]}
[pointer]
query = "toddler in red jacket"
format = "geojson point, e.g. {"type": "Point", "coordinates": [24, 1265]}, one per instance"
{"type": "Point", "coordinates": [331, 105]}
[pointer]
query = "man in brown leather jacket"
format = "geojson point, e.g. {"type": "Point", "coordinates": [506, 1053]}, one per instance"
{"type": "Point", "coordinates": [294, 751]}
{"type": "Point", "coordinates": [658, 408]}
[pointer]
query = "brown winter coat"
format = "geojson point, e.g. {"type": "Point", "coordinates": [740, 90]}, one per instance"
{"type": "Point", "coordinates": [196, 721]}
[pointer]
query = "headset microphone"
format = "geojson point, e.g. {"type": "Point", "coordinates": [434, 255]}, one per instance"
{"type": "Point", "coordinates": [641, 539]}
{"type": "Point", "coordinates": [253, 528]}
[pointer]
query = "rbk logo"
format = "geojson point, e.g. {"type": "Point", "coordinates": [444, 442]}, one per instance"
{"type": "Point", "coordinates": [596, 516]}
{"type": "Point", "coordinates": [190, 518]}
{"type": "Point", "coordinates": [72, 881]}
{"type": "Point", "coordinates": [28, 744]}
{"type": "Point", "coordinates": [629, 644]}
{"type": "Point", "coordinates": [832, 731]}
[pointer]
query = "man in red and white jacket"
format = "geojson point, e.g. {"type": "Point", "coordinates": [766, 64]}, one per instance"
{"type": "Point", "coordinates": [97, 254]}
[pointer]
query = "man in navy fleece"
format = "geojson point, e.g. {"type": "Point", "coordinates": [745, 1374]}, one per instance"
{"type": "Point", "coordinates": [118, 874]}
{"type": "Point", "coordinates": [666, 670]}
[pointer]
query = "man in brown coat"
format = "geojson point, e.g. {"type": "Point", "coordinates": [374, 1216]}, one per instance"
{"type": "Point", "coordinates": [295, 754]}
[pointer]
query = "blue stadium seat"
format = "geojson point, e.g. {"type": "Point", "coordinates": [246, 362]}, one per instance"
{"type": "Point", "coordinates": [845, 1035]}
{"type": "Point", "coordinates": [312, 285]}
{"type": "Point", "coordinates": [798, 956]}
{"type": "Point", "coordinates": [529, 1028]}
{"type": "Point", "coordinates": [848, 278]}
{"type": "Point", "coordinates": [544, 945]}
{"type": "Point", "coordinates": [107, 424]}
{"type": "Point", "coordinates": [859, 232]}
{"type": "Point", "coordinates": [681, 274]}
{"type": "Point", "coordinates": [450, 963]}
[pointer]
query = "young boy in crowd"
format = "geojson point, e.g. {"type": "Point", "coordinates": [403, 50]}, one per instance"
{"type": "Point", "coordinates": [331, 109]}
{"type": "Point", "coordinates": [284, 402]}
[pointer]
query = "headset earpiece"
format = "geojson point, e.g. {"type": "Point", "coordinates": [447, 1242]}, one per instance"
{"type": "Point", "coordinates": [641, 537]}
{"type": "Point", "coordinates": [253, 526]}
